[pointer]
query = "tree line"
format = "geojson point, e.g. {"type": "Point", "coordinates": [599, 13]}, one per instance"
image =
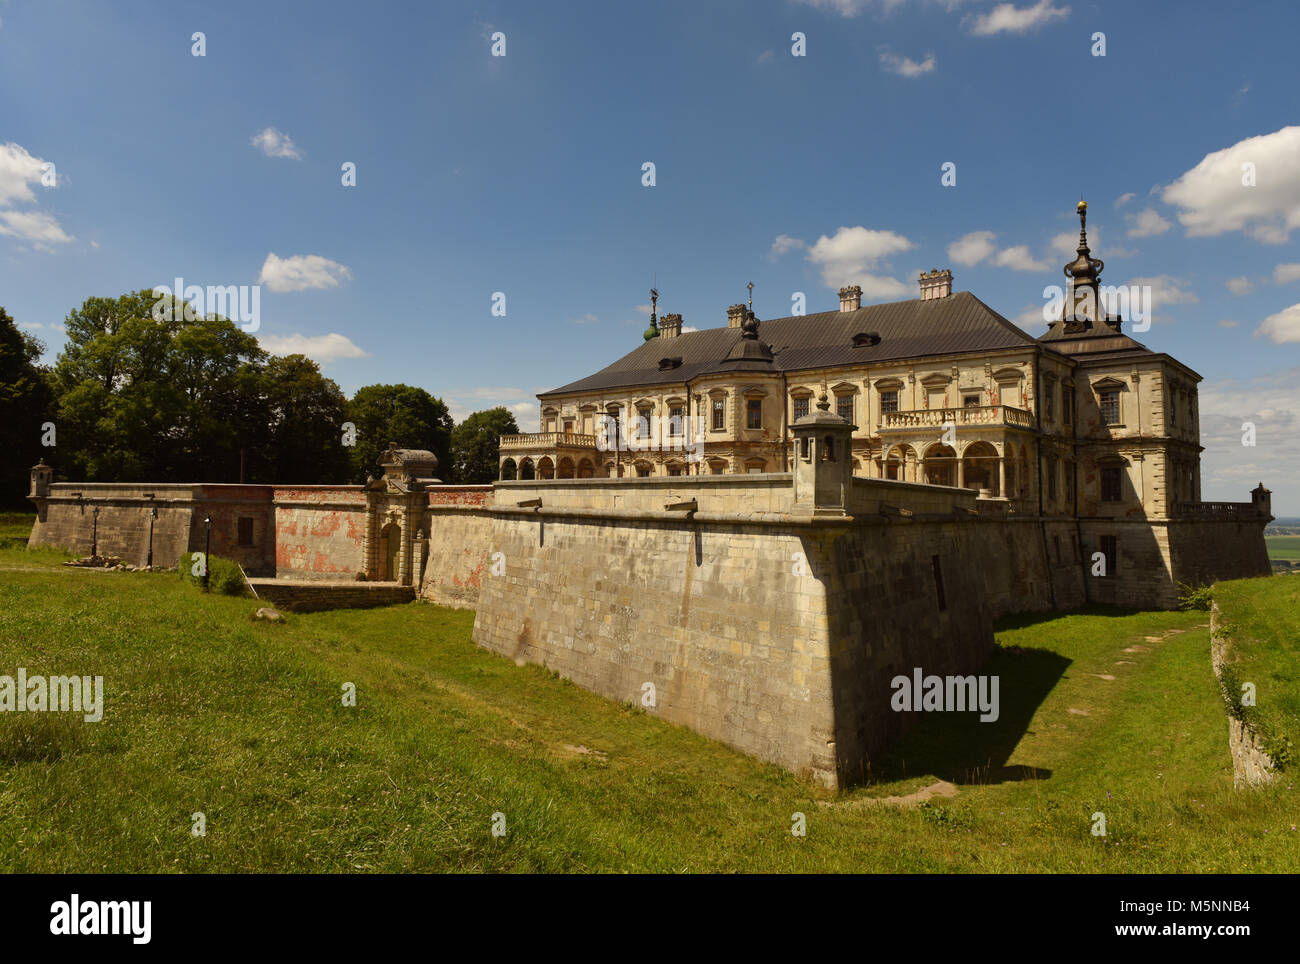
{"type": "Point", "coordinates": [135, 397]}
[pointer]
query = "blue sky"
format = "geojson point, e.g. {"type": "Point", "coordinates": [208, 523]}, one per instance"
{"type": "Point", "coordinates": [522, 174]}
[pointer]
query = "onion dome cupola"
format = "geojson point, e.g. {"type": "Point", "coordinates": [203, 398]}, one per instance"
{"type": "Point", "coordinates": [1082, 308]}
{"type": "Point", "coordinates": [653, 330]}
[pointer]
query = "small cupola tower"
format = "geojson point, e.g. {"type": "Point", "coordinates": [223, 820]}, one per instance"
{"type": "Point", "coordinates": [823, 460]}
{"type": "Point", "coordinates": [42, 476]}
{"type": "Point", "coordinates": [1262, 499]}
{"type": "Point", "coordinates": [653, 330]}
{"type": "Point", "coordinates": [1082, 308]}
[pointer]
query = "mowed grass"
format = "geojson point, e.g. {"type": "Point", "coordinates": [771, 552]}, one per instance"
{"type": "Point", "coordinates": [208, 711]}
{"type": "Point", "coordinates": [1283, 547]}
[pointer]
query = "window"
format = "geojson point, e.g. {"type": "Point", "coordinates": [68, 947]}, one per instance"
{"type": "Point", "coordinates": [805, 448]}
{"type": "Point", "coordinates": [1049, 398]}
{"type": "Point", "coordinates": [1110, 484]}
{"type": "Point", "coordinates": [568, 426]}
{"type": "Point", "coordinates": [245, 532]}
{"type": "Point", "coordinates": [643, 471]}
{"type": "Point", "coordinates": [938, 583]}
{"type": "Point", "coordinates": [1173, 407]}
{"type": "Point", "coordinates": [754, 413]}
{"type": "Point", "coordinates": [889, 401]}
{"type": "Point", "coordinates": [643, 423]}
{"type": "Point", "coordinates": [719, 415]}
{"type": "Point", "coordinates": [1051, 479]}
{"type": "Point", "coordinates": [801, 407]}
{"type": "Point", "coordinates": [755, 468]}
{"type": "Point", "coordinates": [1067, 406]}
{"type": "Point", "coordinates": [844, 407]}
{"type": "Point", "coordinates": [970, 401]}
{"type": "Point", "coordinates": [1110, 552]}
{"type": "Point", "coordinates": [674, 468]}
{"type": "Point", "coordinates": [1069, 482]}
{"type": "Point", "coordinates": [1109, 406]}
{"type": "Point", "coordinates": [675, 420]}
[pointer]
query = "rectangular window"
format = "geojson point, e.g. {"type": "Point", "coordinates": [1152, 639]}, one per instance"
{"type": "Point", "coordinates": [1110, 407]}
{"type": "Point", "coordinates": [1067, 406]}
{"type": "Point", "coordinates": [719, 415]}
{"type": "Point", "coordinates": [1173, 408]}
{"type": "Point", "coordinates": [805, 445]}
{"type": "Point", "coordinates": [889, 401]}
{"type": "Point", "coordinates": [938, 583]}
{"type": "Point", "coordinates": [844, 407]}
{"type": "Point", "coordinates": [1110, 484]}
{"type": "Point", "coordinates": [754, 413]}
{"type": "Point", "coordinates": [643, 423]}
{"type": "Point", "coordinates": [568, 426]}
{"type": "Point", "coordinates": [970, 401]}
{"type": "Point", "coordinates": [1051, 479]}
{"type": "Point", "coordinates": [675, 420]}
{"type": "Point", "coordinates": [800, 407]}
{"type": "Point", "coordinates": [1069, 482]}
{"type": "Point", "coordinates": [1049, 398]}
{"type": "Point", "coordinates": [245, 532]}
{"type": "Point", "coordinates": [1110, 551]}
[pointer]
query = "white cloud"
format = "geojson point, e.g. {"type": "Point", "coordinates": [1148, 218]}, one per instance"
{"type": "Point", "coordinates": [1164, 290]}
{"type": "Point", "coordinates": [35, 226]}
{"type": "Point", "coordinates": [1282, 327]}
{"type": "Point", "coordinates": [1228, 468]}
{"type": "Point", "coordinates": [320, 348]}
{"type": "Point", "coordinates": [1147, 223]}
{"type": "Point", "coordinates": [849, 256]}
{"type": "Point", "coordinates": [1124, 199]}
{"type": "Point", "coordinates": [19, 173]}
{"type": "Point", "coordinates": [1284, 274]}
{"type": "Point", "coordinates": [587, 319]}
{"type": "Point", "coordinates": [275, 143]}
{"type": "Point", "coordinates": [301, 271]}
{"type": "Point", "coordinates": [1212, 199]}
{"type": "Point", "coordinates": [845, 8]}
{"type": "Point", "coordinates": [781, 245]}
{"type": "Point", "coordinates": [1239, 286]}
{"type": "Point", "coordinates": [1008, 18]}
{"type": "Point", "coordinates": [906, 66]}
{"type": "Point", "coordinates": [31, 325]}
{"type": "Point", "coordinates": [1018, 258]}
{"type": "Point", "coordinates": [1067, 243]}
{"type": "Point", "coordinates": [971, 248]}
{"type": "Point", "coordinates": [686, 328]}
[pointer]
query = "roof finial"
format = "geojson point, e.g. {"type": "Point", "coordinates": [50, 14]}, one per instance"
{"type": "Point", "coordinates": [653, 330]}
{"type": "Point", "coordinates": [751, 295]}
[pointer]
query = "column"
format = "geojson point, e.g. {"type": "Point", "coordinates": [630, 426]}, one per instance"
{"type": "Point", "coordinates": [1002, 476]}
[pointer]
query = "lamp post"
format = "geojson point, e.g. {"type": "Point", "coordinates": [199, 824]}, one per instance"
{"type": "Point", "coordinates": [94, 533]}
{"type": "Point", "coordinates": [207, 546]}
{"type": "Point", "coordinates": [153, 514]}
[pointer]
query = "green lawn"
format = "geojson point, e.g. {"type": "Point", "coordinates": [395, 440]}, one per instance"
{"type": "Point", "coordinates": [208, 711]}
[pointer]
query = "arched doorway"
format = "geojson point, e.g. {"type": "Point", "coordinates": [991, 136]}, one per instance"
{"type": "Point", "coordinates": [980, 467]}
{"type": "Point", "coordinates": [508, 470]}
{"type": "Point", "coordinates": [586, 470]}
{"type": "Point", "coordinates": [390, 548]}
{"type": "Point", "coordinates": [940, 465]}
{"type": "Point", "coordinates": [545, 468]}
{"type": "Point", "coordinates": [566, 468]}
{"type": "Point", "coordinates": [527, 472]}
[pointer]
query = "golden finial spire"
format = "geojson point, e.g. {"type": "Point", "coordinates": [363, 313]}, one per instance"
{"type": "Point", "coordinates": [751, 295]}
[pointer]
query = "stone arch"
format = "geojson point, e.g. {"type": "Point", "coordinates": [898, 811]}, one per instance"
{"type": "Point", "coordinates": [566, 469]}
{"type": "Point", "coordinates": [979, 464]}
{"type": "Point", "coordinates": [509, 471]}
{"type": "Point", "coordinates": [390, 552]}
{"type": "Point", "coordinates": [545, 468]}
{"type": "Point", "coordinates": [899, 463]}
{"type": "Point", "coordinates": [939, 464]}
{"type": "Point", "coordinates": [644, 468]}
{"type": "Point", "coordinates": [586, 470]}
{"type": "Point", "coordinates": [527, 469]}
{"type": "Point", "coordinates": [718, 466]}
{"type": "Point", "coordinates": [675, 467]}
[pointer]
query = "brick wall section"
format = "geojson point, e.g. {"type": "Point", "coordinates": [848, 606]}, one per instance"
{"type": "Point", "coordinates": [313, 596]}
{"type": "Point", "coordinates": [319, 530]}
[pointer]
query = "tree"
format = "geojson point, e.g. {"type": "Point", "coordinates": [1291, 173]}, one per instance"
{"type": "Point", "coordinates": [304, 427]}
{"type": "Point", "coordinates": [26, 402]}
{"type": "Point", "coordinates": [409, 416]}
{"type": "Point", "coordinates": [475, 445]}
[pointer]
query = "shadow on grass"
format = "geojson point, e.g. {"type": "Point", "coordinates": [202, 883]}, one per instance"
{"type": "Point", "coordinates": [1022, 620]}
{"type": "Point", "coordinates": [957, 747]}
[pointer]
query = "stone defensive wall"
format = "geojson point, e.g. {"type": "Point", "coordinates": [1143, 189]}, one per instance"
{"type": "Point", "coordinates": [717, 604]}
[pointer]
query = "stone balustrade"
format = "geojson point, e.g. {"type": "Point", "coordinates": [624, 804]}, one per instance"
{"type": "Point", "coordinates": [547, 440]}
{"type": "Point", "coordinates": [980, 415]}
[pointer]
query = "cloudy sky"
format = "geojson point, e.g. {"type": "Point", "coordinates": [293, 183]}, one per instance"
{"type": "Point", "coordinates": [126, 161]}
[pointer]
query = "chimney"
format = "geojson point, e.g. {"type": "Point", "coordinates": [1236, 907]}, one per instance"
{"type": "Point", "coordinates": [851, 298]}
{"type": "Point", "coordinates": [670, 326]}
{"type": "Point", "coordinates": [736, 315]}
{"type": "Point", "coordinates": [936, 284]}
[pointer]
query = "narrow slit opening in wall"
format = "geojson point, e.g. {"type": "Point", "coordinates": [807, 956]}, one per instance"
{"type": "Point", "coordinates": [938, 583]}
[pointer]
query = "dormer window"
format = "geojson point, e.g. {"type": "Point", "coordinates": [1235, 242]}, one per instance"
{"type": "Point", "coordinates": [667, 364]}
{"type": "Point", "coordinates": [866, 339]}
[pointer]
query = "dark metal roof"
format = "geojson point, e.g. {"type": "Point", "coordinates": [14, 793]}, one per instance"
{"type": "Point", "coordinates": [956, 324]}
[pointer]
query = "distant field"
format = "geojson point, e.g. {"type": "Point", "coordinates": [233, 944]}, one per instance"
{"type": "Point", "coordinates": [207, 711]}
{"type": "Point", "coordinates": [15, 527]}
{"type": "Point", "coordinates": [1283, 547]}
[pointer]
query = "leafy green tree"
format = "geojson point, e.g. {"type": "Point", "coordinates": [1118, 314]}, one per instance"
{"type": "Point", "coordinates": [26, 402]}
{"type": "Point", "coordinates": [304, 427]}
{"type": "Point", "coordinates": [475, 443]}
{"type": "Point", "coordinates": [409, 416]}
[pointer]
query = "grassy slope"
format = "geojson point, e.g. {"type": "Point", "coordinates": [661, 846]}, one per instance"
{"type": "Point", "coordinates": [209, 711]}
{"type": "Point", "coordinates": [1261, 619]}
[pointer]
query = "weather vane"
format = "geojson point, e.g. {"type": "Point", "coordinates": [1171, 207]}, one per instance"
{"type": "Point", "coordinates": [751, 294]}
